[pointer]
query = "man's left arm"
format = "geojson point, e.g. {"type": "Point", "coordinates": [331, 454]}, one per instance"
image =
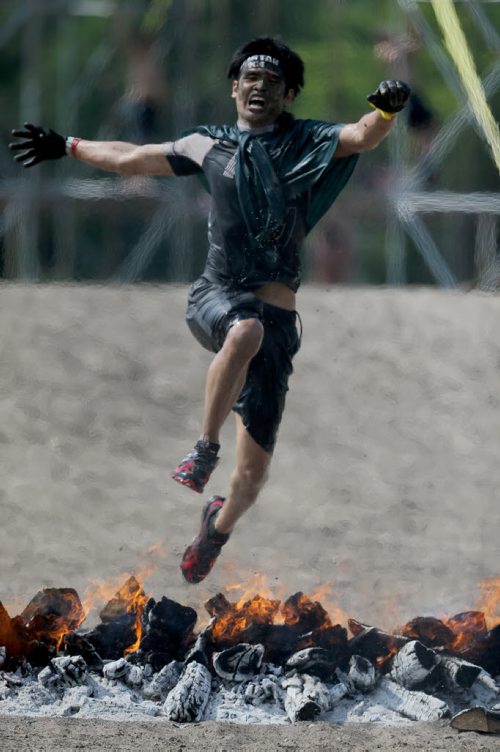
{"type": "Point", "coordinates": [387, 100]}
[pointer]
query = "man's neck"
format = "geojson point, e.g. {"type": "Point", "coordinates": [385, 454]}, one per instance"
{"type": "Point", "coordinates": [257, 129]}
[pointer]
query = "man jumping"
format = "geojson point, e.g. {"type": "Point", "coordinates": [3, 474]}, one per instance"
{"type": "Point", "coordinates": [271, 178]}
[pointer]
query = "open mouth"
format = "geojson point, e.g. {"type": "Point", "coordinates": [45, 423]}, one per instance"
{"type": "Point", "coordinates": [256, 103]}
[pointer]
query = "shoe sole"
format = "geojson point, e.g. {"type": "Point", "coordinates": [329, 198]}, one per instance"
{"type": "Point", "coordinates": [188, 483]}
{"type": "Point", "coordinates": [203, 514]}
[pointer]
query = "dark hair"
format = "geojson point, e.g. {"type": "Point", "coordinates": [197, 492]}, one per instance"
{"type": "Point", "coordinates": [291, 64]}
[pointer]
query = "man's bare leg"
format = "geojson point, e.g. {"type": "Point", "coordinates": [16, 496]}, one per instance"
{"type": "Point", "coordinates": [227, 374]}
{"type": "Point", "coordinates": [250, 474]}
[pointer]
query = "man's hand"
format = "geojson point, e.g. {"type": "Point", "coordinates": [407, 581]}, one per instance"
{"type": "Point", "coordinates": [390, 96]}
{"type": "Point", "coordinates": [38, 144]}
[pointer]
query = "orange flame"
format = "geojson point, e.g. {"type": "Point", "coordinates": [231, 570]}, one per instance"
{"type": "Point", "coordinates": [489, 601]}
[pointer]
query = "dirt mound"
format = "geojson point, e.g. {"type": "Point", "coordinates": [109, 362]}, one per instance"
{"type": "Point", "coordinates": [385, 478]}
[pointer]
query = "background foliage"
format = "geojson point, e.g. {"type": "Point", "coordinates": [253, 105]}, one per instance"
{"type": "Point", "coordinates": [117, 69]}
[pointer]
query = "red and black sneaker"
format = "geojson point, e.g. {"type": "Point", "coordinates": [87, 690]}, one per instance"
{"type": "Point", "coordinates": [200, 556]}
{"type": "Point", "coordinates": [195, 470]}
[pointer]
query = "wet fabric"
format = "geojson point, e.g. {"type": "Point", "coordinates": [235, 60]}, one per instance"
{"type": "Point", "coordinates": [272, 168]}
{"type": "Point", "coordinates": [212, 310]}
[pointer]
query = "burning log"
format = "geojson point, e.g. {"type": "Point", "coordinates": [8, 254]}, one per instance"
{"type": "Point", "coordinates": [15, 639]}
{"type": "Point", "coordinates": [430, 631]}
{"type": "Point", "coordinates": [120, 622]}
{"type": "Point", "coordinates": [219, 605]}
{"type": "Point", "coordinates": [187, 701]}
{"type": "Point", "coordinates": [304, 615]}
{"type": "Point", "coordinates": [51, 613]}
{"type": "Point", "coordinates": [412, 664]}
{"type": "Point", "coordinates": [249, 622]}
{"type": "Point", "coordinates": [375, 644]}
{"type": "Point", "coordinates": [238, 663]}
{"type": "Point", "coordinates": [485, 651]}
{"type": "Point", "coordinates": [306, 697]}
{"type": "Point", "coordinates": [163, 682]}
{"type": "Point", "coordinates": [66, 671]}
{"type": "Point", "coordinates": [467, 626]}
{"type": "Point", "coordinates": [417, 706]}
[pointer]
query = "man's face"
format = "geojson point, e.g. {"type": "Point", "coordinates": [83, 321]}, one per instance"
{"type": "Point", "coordinates": [260, 97]}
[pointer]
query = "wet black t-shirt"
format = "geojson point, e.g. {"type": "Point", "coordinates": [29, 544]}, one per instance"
{"type": "Point", "coordinates": [236, 257]}
{"type": "Point", "coordinates": [232, 258]}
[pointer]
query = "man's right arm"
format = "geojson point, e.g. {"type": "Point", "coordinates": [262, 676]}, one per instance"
{"type": "Point", "coordinates": [36, 144]}
{"type": "Point", "coordinates": [125, 158]}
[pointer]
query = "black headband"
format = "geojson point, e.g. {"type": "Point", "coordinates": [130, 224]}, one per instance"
{"type": "Point", "coordinates": [262, 61]}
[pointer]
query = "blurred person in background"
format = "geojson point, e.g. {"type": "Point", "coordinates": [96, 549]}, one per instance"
{"type": "Point", "coordinates": [271, 178]}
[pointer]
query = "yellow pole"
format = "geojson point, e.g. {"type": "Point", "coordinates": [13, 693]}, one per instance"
{"type": "Point", "coordinates": [456, 43]}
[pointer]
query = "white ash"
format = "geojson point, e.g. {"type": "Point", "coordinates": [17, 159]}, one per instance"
{"type": "Point", "coordinates": [124, 691]}
{"type": "Point", "coordinates": [121, 670]}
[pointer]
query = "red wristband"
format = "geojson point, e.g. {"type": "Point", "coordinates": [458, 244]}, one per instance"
{"type": "Point", "coordinates": [74, 144]}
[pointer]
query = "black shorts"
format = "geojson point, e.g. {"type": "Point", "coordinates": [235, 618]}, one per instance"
{"type": "Point", "coordinates": [212, 310]}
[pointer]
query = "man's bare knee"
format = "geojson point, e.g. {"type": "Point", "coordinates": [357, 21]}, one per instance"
{"type": "Point", "coordinates": [252, 475]}
{"type": "Point", "coordinates": [245, 338]}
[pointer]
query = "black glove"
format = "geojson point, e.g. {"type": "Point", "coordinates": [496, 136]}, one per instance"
{"type": "Point", "coordinates": [390, 96]}
{"type": "Point", "coordinates": [38, 145]}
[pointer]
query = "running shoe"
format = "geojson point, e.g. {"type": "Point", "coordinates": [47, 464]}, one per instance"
{"type": "Point", "coordinates": [200, 556]}
{"type": "Point", "coordinates": [195, 470]}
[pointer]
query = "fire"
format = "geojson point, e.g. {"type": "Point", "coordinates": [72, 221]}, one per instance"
{"type": "Point", "coordinates": [302, 612]}
{"type": "Point", "coordinates": [489, 601]}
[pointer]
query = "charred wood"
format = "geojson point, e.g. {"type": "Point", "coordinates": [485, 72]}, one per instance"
{"type": "Point", "coordinates": [262, 690]}
{"type": "Point", "coordinates": [485, 651]}
{"type": "Point", "coordinates": [361, 676]}
{"type": "Point", "coordinates": [122, 603]}
{"type": "Point", "coordinates": [77, 644]}
{"type": "Point", "coordinates": [333, 639]}
{"type": "Point", "coordinates": [306, 697]}
{"type": "Point", "coordinates": [163, 682]}
{"type": "Point", "coordinates": [201, 649]}
{"type": "Point", "coordinates": [374, 644]}
{"type": "Point", "coordinates": [412, 664]}
{"type": "Point", "coordinates": [65, 671]}
{"type": "Point", "coordinates": [116, 670]}
{"type": "Point", "coordinates": [304, 615]}
{"type": "Point", "coordinates": [280, 643]}
{"type": "Point", "coordinates": [3, 655]}
{"type": "Point", "coordinates": [187, 701]}
{"type": "Point", "coordinates": [239, 662]}
{"type": "Point", "coordinates": [314, 661]}
{"type": "Point", "coordinates": [112, 638]}
{"type": "Point", "coordinates": [122, 670]}
{"type": "Point", "coordinates": [51, 613]}
{"type": "Point", "coordinates": [467, 626]}
{"type": "Point", "coordinates": [167, 629]}
{"type": "Point", "coordinates": [13, 637]}
{"type": "Point", "coordinates": [457, 673]}
{"type": "Point", "coordinates": [430, 631]}
{"type": "Point", "coordinates": [417, 706]}
{"type": "Point", "coordinates": [219, 605]}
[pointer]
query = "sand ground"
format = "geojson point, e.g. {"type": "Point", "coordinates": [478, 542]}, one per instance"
{"type": "Point", "coordinates": [384, 482]}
